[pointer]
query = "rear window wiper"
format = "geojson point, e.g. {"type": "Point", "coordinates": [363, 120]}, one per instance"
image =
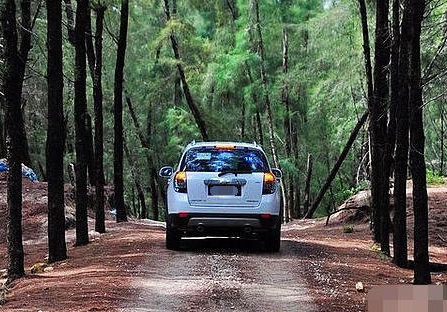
{"type": "Point", "coordinates": [234, 172]}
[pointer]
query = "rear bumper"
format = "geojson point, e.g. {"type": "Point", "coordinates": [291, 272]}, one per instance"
{"type": "Point", "coordinates": [221, 224]}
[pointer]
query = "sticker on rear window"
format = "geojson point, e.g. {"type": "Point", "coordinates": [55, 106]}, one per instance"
{"type": "Point", "coordinates": [203, 156]}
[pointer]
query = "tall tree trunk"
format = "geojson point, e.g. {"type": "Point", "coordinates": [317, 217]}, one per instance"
{"type": "Point", "coordinates": [270, 123]}
{"type": "Point", "coordinates": [99, 130]}
{"type": "Point", "coordinates": [11, 83]}
{"type": "Point", "coordinates": [80, 108]}
{"type": "Point", "coordinates": [133, 164]}
{"type": "Point", "coordinates": [90, 150]}
{"type": "Point", "coordinates": [441, 167]}
{"type": "Point", "coordinates": [118, 114]}
{"type": "Point", "coordinates": [295, 152]}
{"type": "Point", "coordinates": [70, 21]}
{"type": "Point", "coordinates": [337, 166]}
{"type": "Point", "coordinates": [154, 193]}
{"type": "Point", "coordinates": [2, 105]}
{"type": "Point", "coordinates": [146, 144]}
{"type": "Point", "coordinates": [89, 47]}
{"type": "Point", "coordinates": [177, 96]}
{"type": "Point", "coordinates": [366, 51]}
{"type": "Point", "coordinates": [393, 96]}
{"type": "Point", "coordinates": [285, 92]}
{"type": "Point", "coordinates": [370, 89]}
{"type": "Point", "coordinates": [57, 249]}
{"type": "Point", "coordinates": [417, 153]}
{"type": "Point", "coordinates": [257, 117]}
{"type": "Point", "coordinates": [24, 48]}
{"type": "Point", "coordinates": [401, 154]}
{"type": "Point", "coordinates": [2, 126]}
{"type": "Point", "coordinates": [307, 188]}
{"type": "Point", "coordinates": [189, 99]}
{"type": "Point", "coordinates": [287, 122]}
{"type": "Point", "coordinates": [378, 128]}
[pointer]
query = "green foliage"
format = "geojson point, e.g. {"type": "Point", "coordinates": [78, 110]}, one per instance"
{"type": "Point", "coordinates": [325, 82]}
{"type": "Point", "coordinates": [433, 178]}
{"type": "Point", "coordinates": [348, 228]}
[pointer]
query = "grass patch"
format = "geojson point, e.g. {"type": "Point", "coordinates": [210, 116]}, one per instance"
{"type": "Point", "coordinates": [376, 248]}
{"type": "Point", "coordinates": [433, 178]}
{"type": "Point", "coordinates": [348, 228]}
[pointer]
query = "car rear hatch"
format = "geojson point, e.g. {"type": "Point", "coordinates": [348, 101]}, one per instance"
{"type": "Point", "coordinates": [229, 190]}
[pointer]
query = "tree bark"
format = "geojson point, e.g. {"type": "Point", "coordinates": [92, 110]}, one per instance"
{"type": "Point", "coordinates": [11, 84]}
{"type": "Point", "coordinates": [307, 188]}
{"type": "Point", "coordinates": [57, 249]}
{"type": "Point", "coordinates": [270, 124]}
{"type": "Point", "coordinates": [99, 127]}
{"type": "Point", "coordinates": [118, 114]}
{"type": "Point", "coordinates": [2, 126]}
{"type": "Point", "coordinates": [90, 150]}
{"type": "Point", "coordinates": [285, 92]}
{"type": "Point", "coordinates": [258, 123]}
{"type": "Point", "coordinates": [337, 166]}
{"type": "Point", "coordinates": [287, 121]}
{"type": "Point", "coordinates": [146, 144]}
{"type": "Point", "coordinates": [189, 99]}
{"type": "Point", "coordinates": [24, 48]}
{"type": "Point", "coordinates": [402, 128]}
{"type": "Point", "coordinates": [441, 167]}
{"type": "Point", "coordinates": [295, 151]}
{"type": "Point", "coordinates": [366, 50]}
{"type": "Point", "coordinates": [378, 128]}
{"type": "Point", "coordinates": [80, 108]}
{"type": "Point", "coordinates": [70, 21]}
{"type": "Point", "coordinates": [89, 47]}
{"type": "Point", "coordinates": [417, 153]}
{"type": "Point", "coordinates": [132, 163]}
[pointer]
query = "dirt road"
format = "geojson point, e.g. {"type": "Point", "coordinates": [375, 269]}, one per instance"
{"type": "Point", "coordinates": [128, 269]}
{"type": "Point", "coordinates": [220, 275]}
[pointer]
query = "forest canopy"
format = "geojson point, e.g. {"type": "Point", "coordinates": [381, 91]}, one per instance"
{"type": "Point", "coordinates": [218, 46]}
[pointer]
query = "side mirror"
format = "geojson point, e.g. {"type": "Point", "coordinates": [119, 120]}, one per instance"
{"type": "Point", "coordinates": [277, 173]}
{"type": "Point", "coordinates": [166, 172]}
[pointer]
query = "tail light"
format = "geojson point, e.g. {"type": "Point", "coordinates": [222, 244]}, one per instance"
{"type": "Point", "coordinates": [269, 186]}
{"type": "Point", "coordinates": [265, 216]}
{"type": "Point", "coordinates": [180, 182]}
{"type": "Point", "coordinates": [183, 215]}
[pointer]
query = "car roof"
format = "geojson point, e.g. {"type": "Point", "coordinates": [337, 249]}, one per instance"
{"type": "Point", "coordinates": [194, 144]}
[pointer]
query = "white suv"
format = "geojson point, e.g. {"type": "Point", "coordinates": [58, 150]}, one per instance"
{"type": "Point", "coordinates": [223, 189]}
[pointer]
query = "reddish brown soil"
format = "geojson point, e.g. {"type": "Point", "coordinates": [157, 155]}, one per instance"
{"type": "Point", "coordinates": [128, 268]}
{"type": "Point", "coordinates": [337, 261]}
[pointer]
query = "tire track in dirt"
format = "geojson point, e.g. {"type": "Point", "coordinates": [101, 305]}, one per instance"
{"type": "Point", "coordinates": [167, 282]}
{"type": "Point", "coordinates": [221, 275]}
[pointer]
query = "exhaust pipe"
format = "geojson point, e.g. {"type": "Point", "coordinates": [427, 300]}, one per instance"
{"type": "Point", "coordinates": [200, 228]}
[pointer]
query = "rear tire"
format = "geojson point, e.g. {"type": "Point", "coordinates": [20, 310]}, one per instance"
{"type": "Point", "coordinates": [272, 240]}
{"type": "Point", "coordinates": [172, 238]}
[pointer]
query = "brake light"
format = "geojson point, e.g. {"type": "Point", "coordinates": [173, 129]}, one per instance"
{"type": "Point", "coordinates": [269, 185]}
{"type": "Point", "coordinates": [265, 216]}
{"type": "Point", "coordinates": [183, 215]}
{"type": "Point", "coordinates": [224, 147]}
{"type": "Point", "coordinates": [180, 182]}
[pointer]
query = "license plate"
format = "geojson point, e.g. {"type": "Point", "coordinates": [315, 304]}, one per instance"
{"type": "Point", "coordinates": [216, 190]}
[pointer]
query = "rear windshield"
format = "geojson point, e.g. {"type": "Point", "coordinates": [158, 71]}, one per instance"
{"type": "Point", "coordinates": [214, 160]}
